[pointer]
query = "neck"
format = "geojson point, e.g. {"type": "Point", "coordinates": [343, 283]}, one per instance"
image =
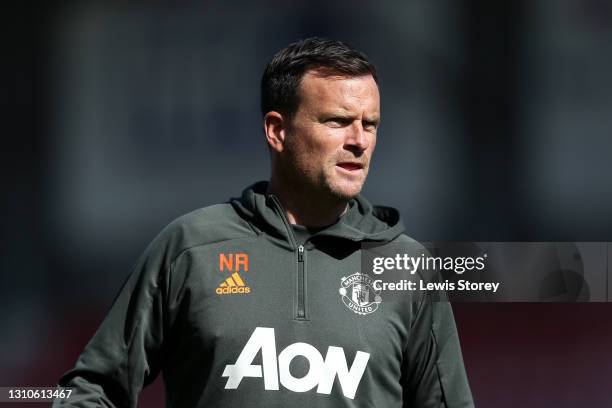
{"type": "Point", "coordinates": [307, 208]}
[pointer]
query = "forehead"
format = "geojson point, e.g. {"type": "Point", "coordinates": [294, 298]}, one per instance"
{"type": "Point", "coordinates": [320, 92]}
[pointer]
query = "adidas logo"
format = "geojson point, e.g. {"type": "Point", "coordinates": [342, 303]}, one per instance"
{"type": "Point", "coordinates": [232, 285]}
{"type": "Point", "coordinates": [233, 263]}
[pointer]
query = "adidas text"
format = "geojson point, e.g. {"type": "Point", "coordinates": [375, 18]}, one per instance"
{"type": "Point", "coordinates": [232, 290]}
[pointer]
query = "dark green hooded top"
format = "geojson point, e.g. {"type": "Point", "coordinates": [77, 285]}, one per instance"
{"type": "Point", "coordinates": [235, 313]}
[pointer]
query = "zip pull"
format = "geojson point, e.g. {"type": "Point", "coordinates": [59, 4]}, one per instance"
{"type": "Point", "coordinates": [301, 253]}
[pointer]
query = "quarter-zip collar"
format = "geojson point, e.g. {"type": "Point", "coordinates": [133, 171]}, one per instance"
{"type": "Point", "coordinates": [361, 222]}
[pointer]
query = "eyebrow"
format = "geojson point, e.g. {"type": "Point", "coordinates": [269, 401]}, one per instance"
{"type": "Point", "coordinates": [347, 115]}
{"type": "Point", "coordinates": [373, 119]}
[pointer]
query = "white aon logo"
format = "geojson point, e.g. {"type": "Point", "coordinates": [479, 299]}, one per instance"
{"type": "Point", "coordinates": [321, 373]}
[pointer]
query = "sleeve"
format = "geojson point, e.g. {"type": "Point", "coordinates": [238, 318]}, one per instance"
{"type": "Point", "coordinates": [433, 374]}
{"type": "Point", "coordinates": [124, 355]}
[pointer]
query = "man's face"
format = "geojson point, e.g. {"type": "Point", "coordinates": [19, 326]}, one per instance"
{"type": "Point", "coordinates": [332, 136]}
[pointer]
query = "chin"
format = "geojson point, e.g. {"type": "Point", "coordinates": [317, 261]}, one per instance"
{"type": "Point", "coordinates": [346, 192]}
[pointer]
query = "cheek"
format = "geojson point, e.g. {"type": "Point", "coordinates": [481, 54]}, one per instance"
{"type": "Point", "coordinates": [372, 144]}
{"type": "Point", "coordinates": [322, 145]}
{"type": "Point", "coordinates": [316, 145]}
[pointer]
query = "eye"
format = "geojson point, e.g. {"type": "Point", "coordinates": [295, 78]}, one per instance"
{"type": "Point", "coordinates": [370, 126]}
{"type": "Point", "coordinates": [338, 122]}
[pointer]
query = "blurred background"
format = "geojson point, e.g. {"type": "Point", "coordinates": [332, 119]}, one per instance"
{"type": "Point", "coordinates": [120, 116]}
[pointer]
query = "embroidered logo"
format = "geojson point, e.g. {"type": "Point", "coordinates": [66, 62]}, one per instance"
{"type": "Point", "coordinates": [358, 293]}
{"type": "Point", "coordinates": [234, 284]}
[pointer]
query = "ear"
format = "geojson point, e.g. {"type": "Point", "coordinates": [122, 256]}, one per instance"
{"type": "Point", "coordinates": [275, 130]}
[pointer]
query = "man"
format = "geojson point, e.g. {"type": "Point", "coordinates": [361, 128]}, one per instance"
{"type": "Point", "coordinates": [259, 301]}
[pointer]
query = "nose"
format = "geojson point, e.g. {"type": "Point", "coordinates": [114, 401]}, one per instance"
{"type": "Point", "coordinates": [357, 138]}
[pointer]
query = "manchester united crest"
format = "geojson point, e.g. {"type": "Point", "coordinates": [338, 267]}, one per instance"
{"type": "Point", "coordinates": [358, 294]}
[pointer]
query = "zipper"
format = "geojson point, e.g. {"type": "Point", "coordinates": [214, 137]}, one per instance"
{"type": "Point", "coordinates": [300, 310]}
{"type": "Point", "coordinates": [301, 286]}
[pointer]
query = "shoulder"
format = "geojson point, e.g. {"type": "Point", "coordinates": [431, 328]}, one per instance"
{"type": "Point", "coordinates": [204, 226]}
{"type": "Point", "coordinates": [410, 245]}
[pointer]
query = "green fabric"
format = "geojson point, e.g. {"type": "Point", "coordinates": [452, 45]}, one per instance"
{"type": "Point", "coordinates": [302, 234]}
{"type": "Point", "coordinates": [170, 318]}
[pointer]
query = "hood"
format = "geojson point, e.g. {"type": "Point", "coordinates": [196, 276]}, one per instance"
{"type": "Point", "coordinates": [362, 222]}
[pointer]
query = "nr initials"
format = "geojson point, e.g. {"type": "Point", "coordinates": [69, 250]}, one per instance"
{"type": "Point", "coordinates": [231, 261]}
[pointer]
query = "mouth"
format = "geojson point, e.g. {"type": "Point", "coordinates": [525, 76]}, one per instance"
{"type": "Point", "coordinates": [350, 166]}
